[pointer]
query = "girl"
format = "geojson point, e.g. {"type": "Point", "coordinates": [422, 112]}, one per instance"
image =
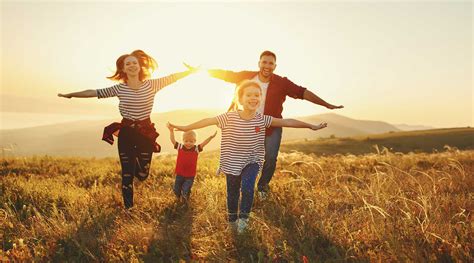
{"type": "Point", "coordinates": [242, 148]}
{"type": "Point", "coordinates": [136, 133]}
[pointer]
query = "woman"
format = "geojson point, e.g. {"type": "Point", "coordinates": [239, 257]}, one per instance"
{"type": "Point", "coordinates": [136, 133]}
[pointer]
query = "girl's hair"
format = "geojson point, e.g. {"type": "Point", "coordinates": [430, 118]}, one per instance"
{"type": "Point", "coordinates": [239, 92]}
{"type": "Point", "coordinates": [147, 65]}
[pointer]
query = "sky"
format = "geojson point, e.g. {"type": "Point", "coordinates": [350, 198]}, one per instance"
{"type": "Point", "coordinates": [397, 61]}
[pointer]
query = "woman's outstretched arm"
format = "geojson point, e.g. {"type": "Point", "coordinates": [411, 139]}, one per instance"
{"type": "Point", "coordinates": [90, 93]}
{"type": "Point", "coordinates": [196, 125]}
{"type": "Point", "coordinates": [158, 84]}
{"type": "Point", "coordinates": [276, 122]}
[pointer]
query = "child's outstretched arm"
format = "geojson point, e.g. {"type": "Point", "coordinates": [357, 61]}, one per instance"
{"type": "Point", "coordinates": [206, 141]}
{"type": "Point", "coordinates": [90, 93]}
{"type": "Point", "coordinates": [172, 139]}
{"type": "Point", "coordinates": [197, 125]}
{"type": "Point", "coordinates": [276, 122]}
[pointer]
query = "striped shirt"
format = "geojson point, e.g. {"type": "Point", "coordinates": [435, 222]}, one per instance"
{"type": "Point", "coordinates": [136, 104]}
{"type": "Point", "coordinates": [242, 142]}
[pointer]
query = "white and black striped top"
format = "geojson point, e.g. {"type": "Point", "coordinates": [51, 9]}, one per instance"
{"type": "Point", "coordinates": [242, 142]}
{"type": "Point", "coordinates": [136, 104]}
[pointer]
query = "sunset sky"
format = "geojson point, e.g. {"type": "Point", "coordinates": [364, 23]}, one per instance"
{"type": "Point", "coordinates": [399, 61]}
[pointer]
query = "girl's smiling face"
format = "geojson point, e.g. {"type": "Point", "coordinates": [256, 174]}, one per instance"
{"type": "Point", "coordinates": [251, 97]}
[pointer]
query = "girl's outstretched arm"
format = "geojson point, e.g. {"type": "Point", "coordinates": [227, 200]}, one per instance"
{"type": "Point", "coordinates": [197, 125]}
{"type": "Point", "coordinates": [90, 93]}
{"type": "Point", "coordinates": [276, 122]}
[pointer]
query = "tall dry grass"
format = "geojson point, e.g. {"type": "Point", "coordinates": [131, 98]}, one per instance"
{"type": "Point", "coordinates": [377, 207]}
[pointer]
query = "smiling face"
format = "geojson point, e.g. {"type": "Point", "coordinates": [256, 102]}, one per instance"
{"type": "Point", "coordinates": [131, 66]}
{"type": "Point", "coordinates": [189, 139]}
{"type": "Point", "coordinates": [250, 98]}
{"type": "Point", "coordinates": [267, 65]}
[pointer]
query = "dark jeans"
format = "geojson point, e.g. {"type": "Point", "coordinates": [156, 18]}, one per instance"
{"type": "Point", "coordinates": [135, 153]}
{"type": "Point", "coordinates": [245, 184]}
{"type": "Point", "coordinates": [272, 146]}
{"type": "Point", "coordinates": [182, 186]}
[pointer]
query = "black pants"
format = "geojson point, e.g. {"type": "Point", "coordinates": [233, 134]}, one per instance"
{"type": "Point", "coordinates": [135, 153]}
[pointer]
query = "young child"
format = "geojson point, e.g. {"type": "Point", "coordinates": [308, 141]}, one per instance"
{"type": "Point", "coordinates": [242, 148]}
{"type": "Point", "coordinates": [186, 161]}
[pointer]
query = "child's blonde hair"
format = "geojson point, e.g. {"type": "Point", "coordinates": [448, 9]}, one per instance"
{"type": "Point", "coordinates": [187, 134]}
{"type": "Point", "coordinates": [239, 92]}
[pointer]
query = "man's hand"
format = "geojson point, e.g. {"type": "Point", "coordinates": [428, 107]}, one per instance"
{"type": "Point", "coordinates": [320, 126]}
{"type": "Point", "coordinates": [332, 107]}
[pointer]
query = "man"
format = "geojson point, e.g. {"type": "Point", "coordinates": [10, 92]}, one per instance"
{"type": "Point", "coordinates": [274, 91]}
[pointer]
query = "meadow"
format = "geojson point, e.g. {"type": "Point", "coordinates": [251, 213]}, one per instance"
{"type": "Point", "coordinates": [381, 206]}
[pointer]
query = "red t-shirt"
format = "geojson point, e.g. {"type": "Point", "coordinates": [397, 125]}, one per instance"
{"type": "Point", "coordinates": [187, 160]}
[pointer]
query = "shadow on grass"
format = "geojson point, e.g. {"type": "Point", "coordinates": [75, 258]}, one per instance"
{"type": "Point", "coordinates": [301, 239]}
{"type": "Point", "coordinates": [248, 248]}
{"type": "Point", "coordinates": [86, 243]}
{"type": "Point", "coordinates": [172, 240]}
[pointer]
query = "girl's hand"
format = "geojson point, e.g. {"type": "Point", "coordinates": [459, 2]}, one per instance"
{"type": "Point", "coordinates": [171, 126]}
{"type": "Point", "coordinates": [168, 125]}
{"type": "Point", "coordinates": [64, 95]}
{"type": "Point", "coordinates": [322, 125]}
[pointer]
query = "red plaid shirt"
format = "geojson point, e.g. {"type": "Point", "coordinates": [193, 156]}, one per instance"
{"type": "Point", "coordinates": [145, 127]}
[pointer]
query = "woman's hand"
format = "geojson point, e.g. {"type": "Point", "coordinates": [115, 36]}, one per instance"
{"type": "Point", "coordinates": [320, 126]}
{"type": "Point", "coordinates": [191, 68]}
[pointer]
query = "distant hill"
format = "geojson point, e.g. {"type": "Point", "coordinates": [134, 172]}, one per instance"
{"type": "Point", "coordinates": [407, 127]}
{"type": "Point", "coordinates": [339, 126]}
{"type": "Point", "coordinates": [83, 138]}
{"type": "Point", "coordinates": [404, 142]}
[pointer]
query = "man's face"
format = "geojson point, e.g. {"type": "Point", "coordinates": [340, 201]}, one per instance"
{"type": "Point", "coordinates": [267, 65]}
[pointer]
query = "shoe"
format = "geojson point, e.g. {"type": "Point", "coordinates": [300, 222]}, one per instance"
{"type": "Point", "coordinates": [242, 225]}
{"type": "Point", "coordinates": [262, 195]}
{"type": "Point", "coordinates": [233, 226]}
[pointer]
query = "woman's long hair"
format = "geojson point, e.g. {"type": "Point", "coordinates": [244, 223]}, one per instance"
{"type": "Point", "coordinates": [146, 62]}
{"type": "Point", "coordinates": [239, 92]}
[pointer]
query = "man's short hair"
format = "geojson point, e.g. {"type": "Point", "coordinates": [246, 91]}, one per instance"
{"type": "Point", "coordinates": [268, 53]}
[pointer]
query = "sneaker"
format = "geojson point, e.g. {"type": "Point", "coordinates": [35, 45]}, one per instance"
{"type": "Point", "coordinates": [262, 195]}
{"type": "Point", "coordinates": [233, 226]}
{"type": "Point", "coordinates": [242, 225]}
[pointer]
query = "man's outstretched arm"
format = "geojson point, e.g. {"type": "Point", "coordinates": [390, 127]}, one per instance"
{"type": "Point", "coordinates": [310, 96]}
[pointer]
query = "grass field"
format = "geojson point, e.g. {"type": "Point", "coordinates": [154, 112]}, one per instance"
{"type": "Point", "coordinates": [375, 207]}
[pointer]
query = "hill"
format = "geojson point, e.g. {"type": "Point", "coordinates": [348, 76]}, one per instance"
{"type": "Point", "coordinates": [83, 138]}
{"type": "Point", "coordinates": [411, 141]}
